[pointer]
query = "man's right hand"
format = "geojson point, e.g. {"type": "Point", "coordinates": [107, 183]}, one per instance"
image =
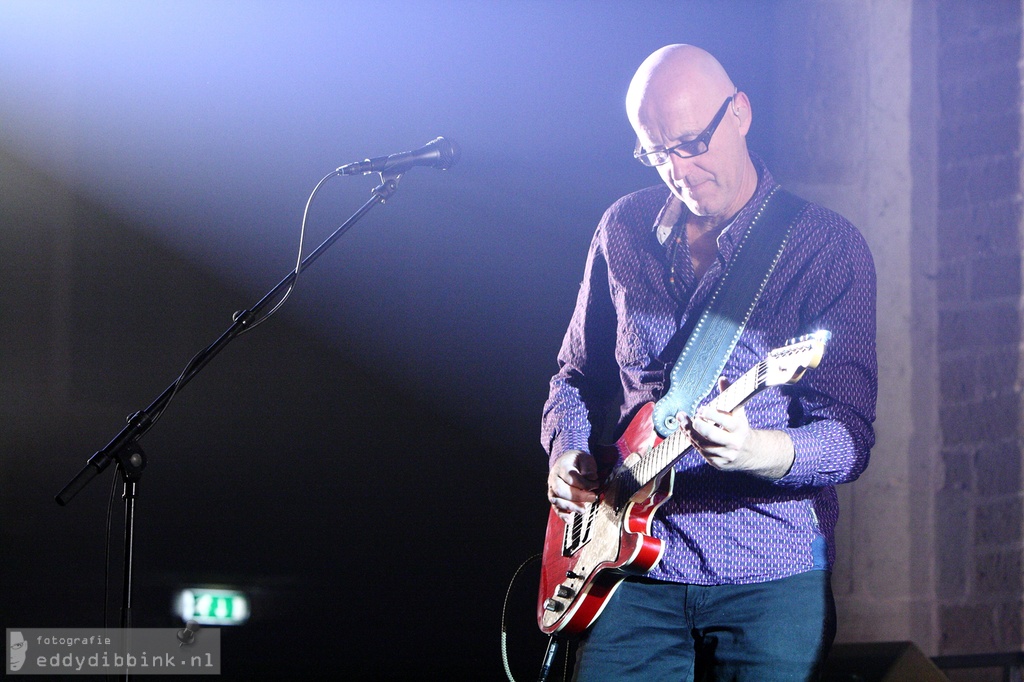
{"type": "Point", "coordinates": [571, 483]}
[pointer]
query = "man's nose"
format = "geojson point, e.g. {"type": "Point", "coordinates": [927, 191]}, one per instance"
{"type": "Point", "coordinates": [681, 167]}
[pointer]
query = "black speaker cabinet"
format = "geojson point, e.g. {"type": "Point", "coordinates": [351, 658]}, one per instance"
{"type": "Point", "coordinates": [880, 662]}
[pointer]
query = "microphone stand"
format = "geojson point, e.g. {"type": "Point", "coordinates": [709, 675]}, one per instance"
{"type": "Point", "coordinates": [124, 448]}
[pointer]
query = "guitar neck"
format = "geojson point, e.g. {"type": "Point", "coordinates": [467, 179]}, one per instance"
{"type": "Point", "coordinates": [752, 381]}
{"type": "Point", "coordinates": [668, 452]}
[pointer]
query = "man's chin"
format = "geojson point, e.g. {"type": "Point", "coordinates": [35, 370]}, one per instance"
{"type": "Point", "coordinates": [692, 202]}
{"type": "Point", "coordinates": [695, 207]}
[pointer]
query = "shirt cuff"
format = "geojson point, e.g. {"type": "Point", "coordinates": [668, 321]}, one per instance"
{"type": "Point", "coordinates": [824, 453]}
{"type": "Point", "coordinates": [807, 450]}
{"type": "Point", "coordinates": [568, 440]}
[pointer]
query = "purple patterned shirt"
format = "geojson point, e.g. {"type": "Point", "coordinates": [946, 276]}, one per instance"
{"type": "Point", "coordinates": [727, 527]}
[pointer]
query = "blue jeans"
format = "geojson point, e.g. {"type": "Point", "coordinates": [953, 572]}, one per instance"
{"type": "Point", "coordinates": [652, 631]}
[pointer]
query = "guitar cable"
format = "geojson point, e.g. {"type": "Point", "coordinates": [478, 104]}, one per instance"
{"type": "Point", "coordinates": [504, 619]}
{"type": "Point", "coordinates": [199, 357]}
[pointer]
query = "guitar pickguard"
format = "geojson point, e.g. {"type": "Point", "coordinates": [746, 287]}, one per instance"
{"type": "Point", "coordinates": [575, 589]}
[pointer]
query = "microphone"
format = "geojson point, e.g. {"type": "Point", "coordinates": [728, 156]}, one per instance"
{"type": "Point", "coordinates": [438, 153]}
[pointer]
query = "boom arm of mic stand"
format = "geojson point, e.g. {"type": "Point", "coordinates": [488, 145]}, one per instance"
{"type": "Point", "coordinates": [140, 422]}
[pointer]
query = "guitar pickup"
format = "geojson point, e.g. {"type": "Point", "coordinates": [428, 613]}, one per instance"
{"type": "Point", "coordinates": [578, 530]}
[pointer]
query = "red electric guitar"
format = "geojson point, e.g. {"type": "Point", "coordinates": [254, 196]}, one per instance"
{"type": "Point", "coordinates": [585, 560]}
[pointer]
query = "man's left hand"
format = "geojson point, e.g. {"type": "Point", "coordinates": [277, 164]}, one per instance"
{"type": "Point", "coordinates": [727, 442]}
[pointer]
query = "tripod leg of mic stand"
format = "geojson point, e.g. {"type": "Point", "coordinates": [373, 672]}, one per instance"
{"type": "Point", "coordinates": [129, 530]}
{"type": "Point", "coordinates": [131, 462]}
{"type": "Point", "coordinates": [549, 658]}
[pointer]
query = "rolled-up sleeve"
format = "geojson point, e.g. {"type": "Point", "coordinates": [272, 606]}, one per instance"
{"type": "Point", "coordinates": [832, 416]}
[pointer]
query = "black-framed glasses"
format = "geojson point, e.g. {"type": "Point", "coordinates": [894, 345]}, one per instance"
{"type": "Point", "coordinates": [683, 150]}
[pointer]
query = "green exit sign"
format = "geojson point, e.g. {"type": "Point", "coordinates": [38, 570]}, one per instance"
{"type": "Point", "coordinates": [213, 606]}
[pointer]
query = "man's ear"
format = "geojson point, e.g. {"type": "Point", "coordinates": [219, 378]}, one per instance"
{"type": "Point", "coordinates": [741, 108]}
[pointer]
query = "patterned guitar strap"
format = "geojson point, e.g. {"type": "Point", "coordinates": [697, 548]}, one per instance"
{"type": "Point", "coordinates": [721, 323]}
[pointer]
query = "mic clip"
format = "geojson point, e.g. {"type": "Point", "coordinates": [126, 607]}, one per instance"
{"type": "Point", "coordinates": [388, 185]}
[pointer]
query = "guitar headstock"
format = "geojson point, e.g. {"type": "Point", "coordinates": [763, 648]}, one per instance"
{"type": "Point", "coordinates": [787, 364]}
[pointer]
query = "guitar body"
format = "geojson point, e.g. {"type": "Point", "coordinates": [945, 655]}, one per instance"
{"type": "Point", "coordinates": [584, 562]}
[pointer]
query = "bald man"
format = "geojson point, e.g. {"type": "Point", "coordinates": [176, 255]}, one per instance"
{"type": "Point", "coordinates": [742, 589]}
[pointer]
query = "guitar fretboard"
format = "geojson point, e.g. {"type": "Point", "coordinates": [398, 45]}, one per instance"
{"type": "Point", "coordinates": [670, 450]}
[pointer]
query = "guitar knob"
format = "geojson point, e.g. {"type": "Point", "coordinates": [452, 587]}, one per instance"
{"type": "Point", "coordinates": [553, 605]}
{"type": "Point", "coordinates": [565, 592]}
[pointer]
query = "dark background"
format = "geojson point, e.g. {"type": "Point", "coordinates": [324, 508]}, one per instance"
{"type": "Point", "coordinates": [365, 464]}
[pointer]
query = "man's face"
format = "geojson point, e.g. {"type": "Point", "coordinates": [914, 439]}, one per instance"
{"type": "Point", "coordinates": [19, 649]}
{"type": "Point", "coordinates": [709, 184]}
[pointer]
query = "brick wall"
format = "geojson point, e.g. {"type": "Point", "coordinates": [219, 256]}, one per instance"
{"type": "Point", "coordinates": [979, 527]}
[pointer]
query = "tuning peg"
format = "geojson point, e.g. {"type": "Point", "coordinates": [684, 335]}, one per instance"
{"type": "Point", "coordinates": [822, 335]}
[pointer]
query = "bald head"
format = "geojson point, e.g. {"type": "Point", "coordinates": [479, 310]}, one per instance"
{"type": "Point", "coordinates": [674, 97]}
{"type": "Point", "coordinates": [673, 73]}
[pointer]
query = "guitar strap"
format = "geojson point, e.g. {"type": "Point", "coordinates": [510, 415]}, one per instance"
{"type": "Point", "coordinates": [721, 323]}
